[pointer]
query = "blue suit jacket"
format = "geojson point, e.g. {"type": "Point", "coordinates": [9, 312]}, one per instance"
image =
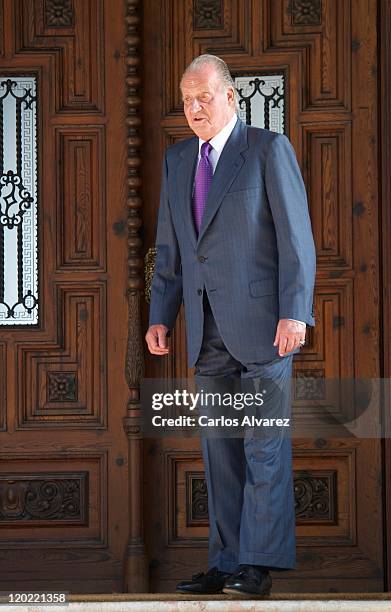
{"type": "Point", "coordinates": [254, 254]}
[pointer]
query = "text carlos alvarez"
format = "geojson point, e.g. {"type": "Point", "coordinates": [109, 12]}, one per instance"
{"type": "Point", "coordinates": [222, 421]}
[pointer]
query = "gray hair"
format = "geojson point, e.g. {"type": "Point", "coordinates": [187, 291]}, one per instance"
{"type": "Point", "coordinates": [221, 68]}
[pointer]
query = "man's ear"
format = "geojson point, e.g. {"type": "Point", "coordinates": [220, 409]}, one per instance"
{"type": "Point", "coordinates": [231, 94]}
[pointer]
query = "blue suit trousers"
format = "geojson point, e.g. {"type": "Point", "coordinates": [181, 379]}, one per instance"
{"type": "Point", "coordinates": [249, 478]}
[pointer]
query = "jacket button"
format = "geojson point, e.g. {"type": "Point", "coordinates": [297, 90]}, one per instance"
{"type": "Point", "coordinates": [202, 259]}
{"type": "Point", "coordinates": [199, 291]}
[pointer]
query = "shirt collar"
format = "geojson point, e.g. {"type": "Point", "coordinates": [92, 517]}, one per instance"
{"type": "Point", "coordinates": [221, 138]}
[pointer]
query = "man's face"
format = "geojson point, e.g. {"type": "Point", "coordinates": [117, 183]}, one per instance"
{"type": "Point", "coordinates": [208, 104]}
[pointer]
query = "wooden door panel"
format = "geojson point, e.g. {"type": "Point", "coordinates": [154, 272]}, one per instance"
{"type": "Point", "coordinates": [61, 384]}
{"type": "Point", "coordinates": [80, 156]}
{"type": "Point", "coordinates": [327, 54]}
{"type": "Point", "coordinates": [321, 31]}
{"type": "Point", "coordinates": [3, 386]}
{"type": "Point", "coordinates": [72, 33]}
{"type": "Point", "coordinates": [64, 514]}
{"type": "Point", "coordinates": [50, 501]}
{"type": "Point", "coordinates": [327, 151]}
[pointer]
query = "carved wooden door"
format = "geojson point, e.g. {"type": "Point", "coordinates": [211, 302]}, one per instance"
{"type": "Point", "coordinates": [320, 58]}
{"type": "Point", "coordinates": [64, 511]}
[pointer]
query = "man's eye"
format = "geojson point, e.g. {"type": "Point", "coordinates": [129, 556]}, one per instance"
{"type": "Point", "coordinates": [205, 98]}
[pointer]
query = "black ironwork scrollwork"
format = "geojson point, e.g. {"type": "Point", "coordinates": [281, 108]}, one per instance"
{"type": "Point", "coordinates": [15, 198]}
{"type": "Point", "coordinates": [21, 204]}
{"type": "Point", "coordinates": [27, 97]}
{"type": "Point", "coordinates": [270, 100]}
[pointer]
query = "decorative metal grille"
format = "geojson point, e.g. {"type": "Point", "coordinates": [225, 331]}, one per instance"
{"type": "Point", "coordinates": [261, 101]}
{"type": "Point", "coordinates": [18, 201]}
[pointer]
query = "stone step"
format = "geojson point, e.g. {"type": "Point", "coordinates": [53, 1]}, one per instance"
{"type": "Point", "coordinates": [167, 602]}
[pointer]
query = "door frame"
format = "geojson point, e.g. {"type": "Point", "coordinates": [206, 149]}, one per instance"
{"type": "Point", "coordinates": [384, 123]}
{"type": "Point", "coordinates": [136, 569]}
{"type": "Point", "coordinates": [134, 361]}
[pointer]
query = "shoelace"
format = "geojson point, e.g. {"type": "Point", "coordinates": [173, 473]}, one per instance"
{"type": "Point", "coordinates": [212, 572]}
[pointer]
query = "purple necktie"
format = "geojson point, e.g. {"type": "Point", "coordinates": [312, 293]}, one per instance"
{"type": "Point", "coordinates": [202, 183]}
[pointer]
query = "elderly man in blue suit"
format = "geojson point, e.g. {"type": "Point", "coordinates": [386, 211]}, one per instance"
{"type": "Point", "coordinates": [234, 243]}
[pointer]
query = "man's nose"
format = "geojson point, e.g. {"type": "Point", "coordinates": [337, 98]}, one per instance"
{"type": "Point", "coordinates": [195, 105]}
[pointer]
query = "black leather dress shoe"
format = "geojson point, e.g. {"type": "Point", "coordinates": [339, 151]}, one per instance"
{"type": "Point", "coordinates": [211, 582]}
{"type": "Point", "coordinates": [249, 579]}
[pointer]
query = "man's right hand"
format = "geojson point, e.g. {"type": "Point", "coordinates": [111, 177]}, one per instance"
{"type": "Point", "coordinates": [156, 338]}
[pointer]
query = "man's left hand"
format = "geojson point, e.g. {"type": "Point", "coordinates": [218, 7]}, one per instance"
{"type": "Point", "coordinates": [288, 336]}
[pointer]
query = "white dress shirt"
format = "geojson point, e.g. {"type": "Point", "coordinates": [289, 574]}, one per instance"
{"type": "Point", "coordinates": [218, 143]}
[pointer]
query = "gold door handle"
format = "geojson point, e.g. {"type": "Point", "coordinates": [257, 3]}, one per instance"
{"type": "Point", "coordinates": [149, 268]}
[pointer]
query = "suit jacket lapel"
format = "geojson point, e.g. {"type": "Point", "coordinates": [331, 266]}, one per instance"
{"type": "Point", "coordinates": [185, 176]}
{"type": "Point", "coordinates": [229, 164]}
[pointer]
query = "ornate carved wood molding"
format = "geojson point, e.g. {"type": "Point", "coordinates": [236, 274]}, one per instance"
{"type": "Point", "coordinates": [59, 13]}
{"type": "Point", "coordinates": [55, 498]}
{"type": "Point", "coordinates": [315, 497]}
{"type": "Point", "coordinates": [136, 566]}
{"type": "Point", "coordinates": [208, 14]}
